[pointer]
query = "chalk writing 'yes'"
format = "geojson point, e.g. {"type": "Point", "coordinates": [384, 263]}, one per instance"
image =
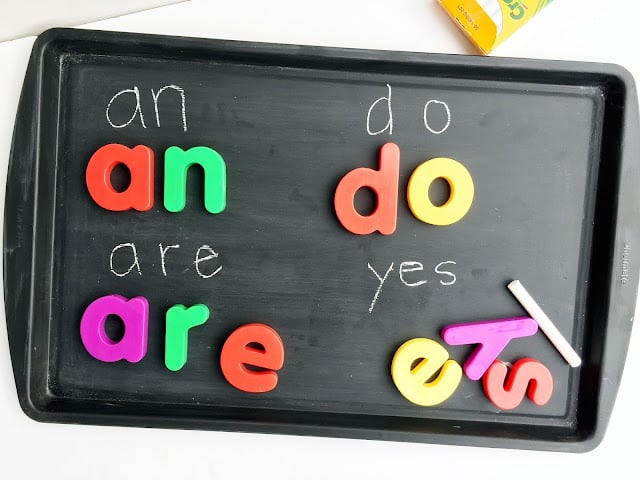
{"type": "Point", "coordinates": [404, 273]}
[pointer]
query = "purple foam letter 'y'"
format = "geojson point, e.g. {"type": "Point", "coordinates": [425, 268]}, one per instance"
{"type": "Point", "coordinates": [492, 337]}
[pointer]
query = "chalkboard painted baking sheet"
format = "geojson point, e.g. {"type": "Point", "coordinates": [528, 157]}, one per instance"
{"type": "Point", "coordinates": [550, 153]}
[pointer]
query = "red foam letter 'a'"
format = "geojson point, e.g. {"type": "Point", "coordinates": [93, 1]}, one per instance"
{"type": "Point", "coordinates": [139, 194]}
{"type": "Point", "coordinates": [384, 182]}
{"type": "Point", "coordinates": [527, 376]}
{"type": "Point", "coordinates": [237, 353]}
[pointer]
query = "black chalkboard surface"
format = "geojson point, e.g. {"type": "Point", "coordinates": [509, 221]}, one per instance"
{"type": "Point", "coordinates": [552, 150]}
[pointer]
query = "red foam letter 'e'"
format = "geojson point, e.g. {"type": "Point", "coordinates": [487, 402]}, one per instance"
{"type": "Point", "coordinates": [237, 352]}
{"type": "Point", "coordinates": [527, 376]}
{"type": "Point", "coordinates": [139, 193]}
{"type": "Point", "coordinates": [384, 182]}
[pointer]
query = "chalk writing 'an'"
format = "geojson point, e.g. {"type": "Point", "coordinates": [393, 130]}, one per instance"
{"type": "Point", "coordinates": [134, 94]}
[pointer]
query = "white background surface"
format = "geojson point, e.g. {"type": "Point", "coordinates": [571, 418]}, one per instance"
{"type": "Point", "coordinates": [30, 17]}
{"type": "Point", "coordinates": [568, 29]}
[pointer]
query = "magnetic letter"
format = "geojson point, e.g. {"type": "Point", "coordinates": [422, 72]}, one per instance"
{"type": "Point", "coordinates": [135, 316]}
{"type": "Point", "coordinates": [176, 165]}
{"type": "Point", "coordinates": [493, 336]}
{"type": "Point", "coordinates": [413, 382]}
{"type": "Point", "coordinates": [180, 320]}
{"type": "Point", "coordinates": [527, 376]}
{"type": "Point", "coordinates": [384, 182]}
{"type": "Point", "coordinates": [460, 199]}
{"type": "Point", "coordinates": [236, 354]}
{"type": "Point", "coordinates": [139, 193]}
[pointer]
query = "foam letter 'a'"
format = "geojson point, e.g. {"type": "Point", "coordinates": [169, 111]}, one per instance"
{"type": "Point", "coordinates": [138, 195]}
{"type": "Point", "coordinates": [134, 314]}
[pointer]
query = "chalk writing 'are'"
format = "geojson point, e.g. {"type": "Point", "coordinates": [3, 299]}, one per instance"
{"type": "Point", "coordinates": [129, 94]}
{"type": "Point", "coordinates": [377, 109]}
{"type": "Point", "coordinates": [127, 252]}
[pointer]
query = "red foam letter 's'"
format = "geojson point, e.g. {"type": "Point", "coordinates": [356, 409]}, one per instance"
{"type": "Point", "coordinates": [528, 376]}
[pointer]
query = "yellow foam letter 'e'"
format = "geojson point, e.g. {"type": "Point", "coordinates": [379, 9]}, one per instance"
{"type": "Point", "coordinates": [413, 383]}
{"type": "Point", "coordinates": [460, 199]}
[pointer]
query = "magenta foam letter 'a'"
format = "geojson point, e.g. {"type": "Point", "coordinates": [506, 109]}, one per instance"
{"type": "Point", "coordinates": [492, 337]}
{"type": "Point", "coordinates": [135, 316]}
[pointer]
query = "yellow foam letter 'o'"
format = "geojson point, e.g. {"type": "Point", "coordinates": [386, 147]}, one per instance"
{"type": "Point", "coordinates": [460, 199]}
{"type": "Point", "coordinates": [413, 382]}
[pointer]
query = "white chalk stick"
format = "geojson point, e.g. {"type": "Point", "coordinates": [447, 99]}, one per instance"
{"type": "Point", "coordinates": [545, 324]}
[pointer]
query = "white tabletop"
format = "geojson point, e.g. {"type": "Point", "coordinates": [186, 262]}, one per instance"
{"type": "Point", "coordinates": [569, 29]}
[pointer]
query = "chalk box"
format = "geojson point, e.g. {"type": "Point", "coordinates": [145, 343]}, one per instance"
{"type": "Point", "coordinates": [488, 23]}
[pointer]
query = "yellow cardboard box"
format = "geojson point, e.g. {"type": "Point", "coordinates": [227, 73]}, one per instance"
{"type": "Point", "coordinates": [488, 23]}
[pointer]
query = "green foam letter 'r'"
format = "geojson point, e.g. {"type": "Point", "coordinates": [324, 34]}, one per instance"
{"type": "Point", "coordinates": [179, 320]}
{"type": "Point", "coordinates": [176, 165]}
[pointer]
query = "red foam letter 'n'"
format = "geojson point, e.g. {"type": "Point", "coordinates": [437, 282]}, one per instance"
{"type": "Point", "coordinates": [384, 182]}
{"type": "Point", "coordinates": [139, 194]}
